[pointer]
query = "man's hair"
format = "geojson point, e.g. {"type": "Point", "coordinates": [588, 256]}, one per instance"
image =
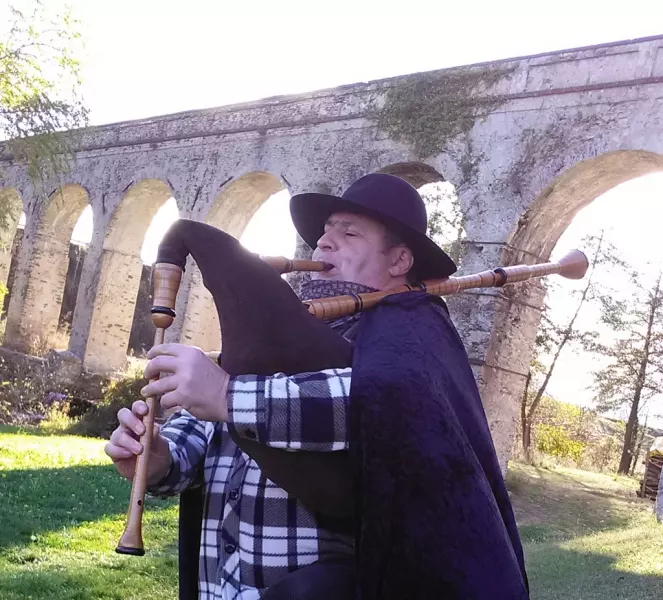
{"type": "Point", "coordinates": [393, 239]}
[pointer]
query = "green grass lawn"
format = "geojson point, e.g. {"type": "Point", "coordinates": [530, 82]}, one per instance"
{"type": "Point", "coordinates": [586, 535]}
{"type": "Point", "coordinates": [62, 510]}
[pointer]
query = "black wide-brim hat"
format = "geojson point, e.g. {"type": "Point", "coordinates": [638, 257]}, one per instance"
{"type": "Point", "coordinates": [386, 198]}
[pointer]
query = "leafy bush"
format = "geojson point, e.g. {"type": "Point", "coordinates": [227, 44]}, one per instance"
{"type": "Point", "coordinates": [58, 418]}
{"type": "Point", "coordinates": [556, 441]}
{"type": "Point", "coordinates": [101, 420]}
{"type": "Point", "coordinates": [603, 454]}
{"type": "Point", "coordinates": [24, 394]}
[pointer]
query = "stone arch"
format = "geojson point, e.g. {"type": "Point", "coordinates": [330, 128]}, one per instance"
{"type": "Point", "coordinates": [234, 207]}
{"type": "Point", "coordinates": [240, 199]}
{"type": "Point", "coordinates": [517, 313]}
{"type": "Point", "coordinates": [119, 274]}
{"type": "Point", "coordinates": [34, 307]}
{"type": "Point", "coordinates": [11, 207]}
{"type": "Point", "coordinates": [417, 174]}
{"type": "Point", "coordinates": [551, 213]}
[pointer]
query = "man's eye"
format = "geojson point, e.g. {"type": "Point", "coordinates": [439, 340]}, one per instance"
{"type": "Point", "coordinates": [350, 234]}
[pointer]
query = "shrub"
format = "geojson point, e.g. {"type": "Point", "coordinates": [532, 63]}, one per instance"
{"type": "Point", "coordinates": [101, 420]}
{"type": "Point", "coordinates": [58, 418]}
{"type": "Point", "coordinates": [41, 345]}
{"type": "Point", "coordinates": [555, 440]}
{"type": "Point", "coordinates": [24, 395]}
{"type": "Point", "coordinates": [603, 454]}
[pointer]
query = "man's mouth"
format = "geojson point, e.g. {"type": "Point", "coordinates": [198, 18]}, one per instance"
{"type": "Point", "coordinates": [329, 269]}
{"type": "Point", "coordinates": [328, 266]}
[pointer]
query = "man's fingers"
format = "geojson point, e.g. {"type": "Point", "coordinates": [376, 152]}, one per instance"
{"type": "Point", "coordinates": [165, 349]}
{"type": "Point", "coordinates": [129, 421]}
{"type": "Point", "coordinates": [164, 363]}
{"type": "Point", "coordinates": [139, 407]}
{"type": "Point", "coordinates": [116, 452]}
{"type": "Point", "coordinates": [171, 400]}
{"type": "Point", "coordinates": [160, 387]}
{"type": "Point", "coordinates": [124, 440]}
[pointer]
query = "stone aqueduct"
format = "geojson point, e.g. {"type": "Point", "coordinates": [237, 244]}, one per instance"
{"type": "Point", "coordinates": [527, 142]}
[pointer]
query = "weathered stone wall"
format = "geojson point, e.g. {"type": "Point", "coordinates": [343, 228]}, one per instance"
{"type": "Point", "coordinates": [527, 142]}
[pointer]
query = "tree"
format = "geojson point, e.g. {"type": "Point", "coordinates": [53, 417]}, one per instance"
{"type": "Point", "coordinates": [445, 217]}
{"type": "Point", "coordinates": [39, 89]}
{"type": "Point", "coordinates": [640, 433]}
{"type": "Point", "coordinates": [634, 373]}
{"type": "Point", "coordinates": [553, 337]}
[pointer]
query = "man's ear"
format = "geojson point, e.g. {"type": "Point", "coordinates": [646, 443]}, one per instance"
{"type": "Point", "coordinates": [402, 261]}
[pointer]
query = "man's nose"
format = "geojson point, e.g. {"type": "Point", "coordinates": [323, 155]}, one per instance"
{"type": "Point", "coordinates": [326, 242]}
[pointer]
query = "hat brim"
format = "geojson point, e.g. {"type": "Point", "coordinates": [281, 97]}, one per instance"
{"type": "Point", "coordinates": [310, 212]}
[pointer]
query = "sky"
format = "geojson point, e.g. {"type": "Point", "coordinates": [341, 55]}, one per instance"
{"type": "Point", "coordinates": [144, 58]}
{"type": "Point", "coordinates": [152, 57]}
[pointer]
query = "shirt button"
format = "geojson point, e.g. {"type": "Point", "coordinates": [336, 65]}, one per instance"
{"type": "Point", "coordinates": [234, 494]}
{"type": "Point", "coordinates": [230, 548]}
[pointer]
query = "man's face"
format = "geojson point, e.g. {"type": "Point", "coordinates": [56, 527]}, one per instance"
{"type": "Point", "coordinates": [356, 247]}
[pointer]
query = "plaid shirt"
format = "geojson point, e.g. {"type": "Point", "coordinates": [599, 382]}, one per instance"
{"type": "Point", "coordinates": [254, 533]}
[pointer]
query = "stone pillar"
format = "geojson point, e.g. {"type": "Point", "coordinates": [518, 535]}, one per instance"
{"type": "Point", "coordinates": [36, 299]}
{"type": "Point", "coordinates": [33, 316]}
{"type": "Point", "coordinates": [112, 312]}
{"type": "Point", "coordinates": [659, 500]}
{"type": "Point", "coordinates": [14, 206]}
{"type": "Point", "coordinates": [6, 244]}
{"type": "Point", "coordinates": [85, 299]}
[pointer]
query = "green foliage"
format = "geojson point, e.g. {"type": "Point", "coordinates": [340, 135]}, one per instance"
{"type": "Point", "coordinates": [430, 111]}
{"type": "Point", "coordinates": [635, 354]}
{"type": "Point", "coordinates": [553, 337]}
{"type": "Point", "coordinates": [634, 370]}
{"type": "Point", "coordinates": [22, 394]}
{"type": "Point", "coordinates": [101, 420]}
{"type": "Point", "coordinates": [31, 395]}
{"type": "Point", "coordinates": [603, 454]}
{"type": "Point", "coordinates": [39, 87]}
{"type": "Point", "coordinates": [446, 224]}
{"type": "Point", "coordinates": [564, 432]}
{"type": "Point", "coordinates": [57, 418]}
{"type": "Point", "coordinates": [555, 440]}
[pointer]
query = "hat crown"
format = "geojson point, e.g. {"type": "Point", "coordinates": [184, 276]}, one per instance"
{"type": "Point", "coordinates": [391, 196]}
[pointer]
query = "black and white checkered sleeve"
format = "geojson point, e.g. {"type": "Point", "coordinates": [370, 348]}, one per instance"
{"type": "Point", "coordinates": [187, 438]}
{"type": "Point", "coordinates": [307, 411]}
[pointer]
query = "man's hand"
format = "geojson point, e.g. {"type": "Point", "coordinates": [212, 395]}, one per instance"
{"type": "Point", "coordinates": [124, 446]}
{"type": "Point", "coordinates": [194, 382]}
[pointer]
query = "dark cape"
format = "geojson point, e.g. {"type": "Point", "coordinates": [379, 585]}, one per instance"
{"type": "Point", "coordinates": [434, 518]}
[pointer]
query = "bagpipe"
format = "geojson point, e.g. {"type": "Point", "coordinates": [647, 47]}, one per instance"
{"type": "Point", "coordinates": [267, 329]}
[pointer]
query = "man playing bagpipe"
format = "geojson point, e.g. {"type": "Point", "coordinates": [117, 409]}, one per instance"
{"type": "Point", "coordinates": [430, 517]}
